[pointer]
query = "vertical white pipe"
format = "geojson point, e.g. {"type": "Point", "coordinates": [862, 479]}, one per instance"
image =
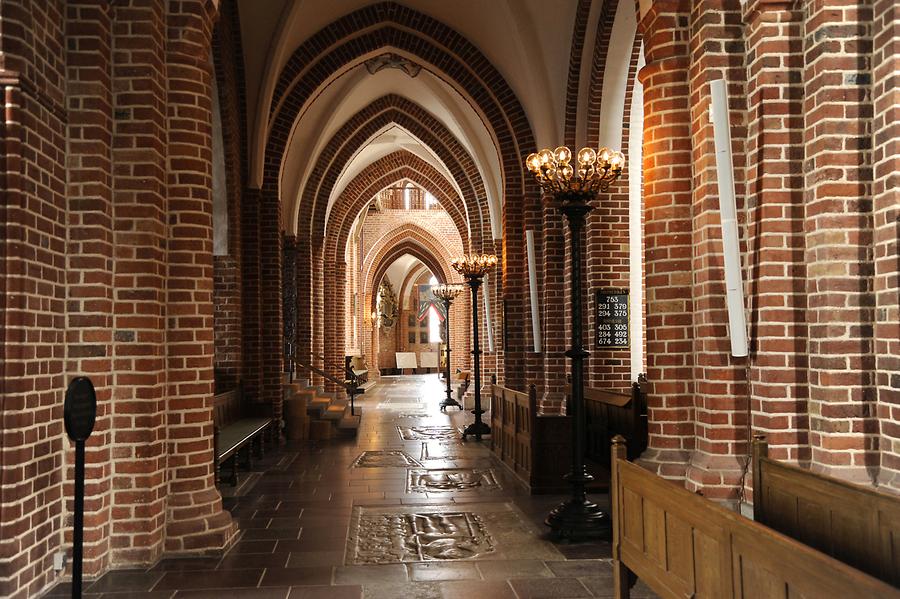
{"type": "Point", "coordinates": [635, 228]}
{"type": "Point", "coordinates": [487, 314]}
{"type": "Point", "coordinates": [734, 283]}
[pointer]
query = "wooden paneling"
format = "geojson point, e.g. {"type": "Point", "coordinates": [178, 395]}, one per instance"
{"type": "Point", "coordinates": [610, 413]}
{"type": "Point", "coordinates": [683, 545]}
{"type": "Point", "coordinates": [853, 524]}
{"type": "Point", "coordinates": [535, 447]}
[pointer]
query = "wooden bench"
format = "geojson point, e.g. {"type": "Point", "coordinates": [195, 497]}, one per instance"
{"type": "Point", "coordinates": [855, 525]}
{"type": "Point", "coordinates": [536, 448]}
{"type": "Point", "coordinates": [682, 545]}
{"type": "Point", "coordinates": [238, 428]}
{"type": "Point", "coordinates": [609, 413]}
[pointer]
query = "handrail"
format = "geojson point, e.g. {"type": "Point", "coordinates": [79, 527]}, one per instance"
{"type": "Point", "coordinates": [321, 373]}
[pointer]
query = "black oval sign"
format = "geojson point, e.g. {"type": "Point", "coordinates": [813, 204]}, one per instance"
{"type": "Point", "coordinates": [80, 409]}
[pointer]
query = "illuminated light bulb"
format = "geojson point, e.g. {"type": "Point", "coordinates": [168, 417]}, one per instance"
{"type": "Point", "coordinates": [604, 156]}
{"type": "Point", "coordinates": [550, 173]}
{"type": "Point", "coordinates": [563, 154]}
{"type": "Point", "coordinates": [533, 162]}
{"type": "Point", "coordinates": [587, 156]}
{"type": "Point", "coordinates": [567, 171]}
{"type": "Point", "coordinates": [617, 160]}
{"type": "Point", "coordinates": [546, 156]}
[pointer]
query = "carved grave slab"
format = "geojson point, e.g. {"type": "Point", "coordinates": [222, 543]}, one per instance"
{"type": "Point", "coordinates": [448, 480]}
{"type": "Point", "coordinates": [384, 459]}
{"type": "Point", "coordinates": [418, 433]}
{"type": "Point", "coordinates": [410, 533]}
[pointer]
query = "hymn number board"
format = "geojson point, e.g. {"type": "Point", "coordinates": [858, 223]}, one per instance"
{"type": "Point", "coordinates": [612, 318]}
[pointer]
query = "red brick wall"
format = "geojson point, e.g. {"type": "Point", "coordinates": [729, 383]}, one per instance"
{"type": "Point", "coordinates": [33, 248]}
{"type": "Point", "coordinates": [886, 215]}
{"type": "Point", "coordinates": [808, 85]}
{"type": "Point", "coordinates": [227, 295]}
{"type": "Point", "coordinates": [107, 271]}
{"type": "Point", "coordinates": [91, 292]}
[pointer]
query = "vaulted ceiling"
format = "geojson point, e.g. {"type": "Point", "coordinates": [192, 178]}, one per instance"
{"type": "Point", "coordinates": [527, 41]}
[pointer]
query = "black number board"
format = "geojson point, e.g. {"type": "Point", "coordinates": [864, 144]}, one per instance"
{"type": "Point", "coordinates": [611, 317]}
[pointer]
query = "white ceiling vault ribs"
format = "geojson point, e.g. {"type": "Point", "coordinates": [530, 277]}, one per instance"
{"type": "Point", "coordinates": [527, 41]}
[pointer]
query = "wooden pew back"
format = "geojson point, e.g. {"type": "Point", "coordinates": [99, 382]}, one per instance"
{"type": "Point", "coordinates": [609, 413]}
{"type": "Point", "coordinates": [683, 545]}
{"type": "Point", "coordinates": [858, 526]}
{"type": "Point", "coordinates": [227, 407]}
{"type": "Point", "coordinates": [533, 446]}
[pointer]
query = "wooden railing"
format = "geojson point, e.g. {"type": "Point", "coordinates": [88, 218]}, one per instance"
{"type": "Point", "coordinates": [682, 545]}
{"type": "Point", "coordinates": [534, 447]}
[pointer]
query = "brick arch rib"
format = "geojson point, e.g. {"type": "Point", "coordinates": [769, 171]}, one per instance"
{"type": "Point", "coordinates": [342, 45]}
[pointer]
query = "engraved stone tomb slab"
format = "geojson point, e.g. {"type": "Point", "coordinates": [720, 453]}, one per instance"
{"type": "Point", "coordinates": [417, 433]}
{"type": "Point", "coordinates": [384, 459]}
{"type": "Point", "coordinates": [409, 533]}
{"type": "Point", "coordinates": [448, 480]}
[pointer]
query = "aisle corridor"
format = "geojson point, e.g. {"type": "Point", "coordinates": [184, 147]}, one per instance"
{"type": "Point", "coordinates": [382, 517]}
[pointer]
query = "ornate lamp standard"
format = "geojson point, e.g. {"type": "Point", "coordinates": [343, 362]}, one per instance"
{"type": "Point", "coordinates": [447, 293]}
{"type": "Point", "coordinates": [473, 268]}
{"type": "Point", "coordinates": [573, 188]}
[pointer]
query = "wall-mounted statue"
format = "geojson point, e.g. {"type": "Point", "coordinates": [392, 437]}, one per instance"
{"type": "Point", "coordinates": [387, 304]}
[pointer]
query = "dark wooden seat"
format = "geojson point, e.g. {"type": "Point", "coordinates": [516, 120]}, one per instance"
{"type": "Point", "coordinates": [239, 429]}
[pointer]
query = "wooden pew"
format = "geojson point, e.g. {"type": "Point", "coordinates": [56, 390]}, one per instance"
{"type": "Point", "coordinates": [236, 428]}
{"type": "Point", "coordinates": [609, 413]}
{"type": "Point", "coordinates": [682, 545]}
{"type": "Point", "coordinates": [536, 447]}
{"type": "Point", "coordinates": [855, 525]}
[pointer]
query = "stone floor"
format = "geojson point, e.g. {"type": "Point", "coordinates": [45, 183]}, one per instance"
{"type": "Point", "coordinates": [407, 510]}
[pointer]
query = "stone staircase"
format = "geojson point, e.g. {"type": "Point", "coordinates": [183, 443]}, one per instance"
{"type": "Point", "coordinates": [327, 414]}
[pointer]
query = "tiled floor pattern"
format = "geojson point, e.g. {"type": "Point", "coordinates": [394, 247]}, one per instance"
{"type": "Point", "coordinates": [329, 520]}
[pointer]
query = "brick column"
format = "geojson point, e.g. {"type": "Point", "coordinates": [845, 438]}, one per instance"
{"type": "Point", "coordinates": [886, 209]}
{"type": "Point", "coordinates": [140, 214]}
{"type": "Point", "coordinates": [838, 224]}
{"type": "Point", "coordinates": [667, 215]}
{"type": "Point", "coordinates": [33, 240]}
{"type": "Point", "coordinates": [318, 312]}
{"type": "Point", "coordinates": [304, 303]}
{"type": "Point", "coordinates": [512, 271]}
{"type": "Point", "coordinates": [554, 297]}
{"type": "Point", "coordinates": [271, 331]}
{"type": "Point", "coordinates": [289, 296]}
{"type": "Point", "coordinates": [775, 253]}
{"type": "Point", "coordinates": [195, 519]}
{"type": "Point", "coordinates": [90, 253]}
{"type": "Point", "coordinates": [335, 314]}
{"type": "Point", "coordinates": [720, 385]}
{"type": "Point", "coordinates": [250, 299]}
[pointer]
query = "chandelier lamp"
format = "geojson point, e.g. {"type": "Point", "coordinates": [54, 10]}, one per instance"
{"type": "Point", "coordinates": [473, 267]}
{"type": "Point", "coordinates": [573, 187]}
{"type": "Point", "coordinates": [446, 294]}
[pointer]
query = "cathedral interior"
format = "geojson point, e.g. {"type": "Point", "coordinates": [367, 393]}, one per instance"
{"type": "Point", "coordinates": [487, 298]}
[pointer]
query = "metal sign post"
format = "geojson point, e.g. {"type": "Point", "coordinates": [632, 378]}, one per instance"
{"type": "Point", "coordinates": [79, 415]}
